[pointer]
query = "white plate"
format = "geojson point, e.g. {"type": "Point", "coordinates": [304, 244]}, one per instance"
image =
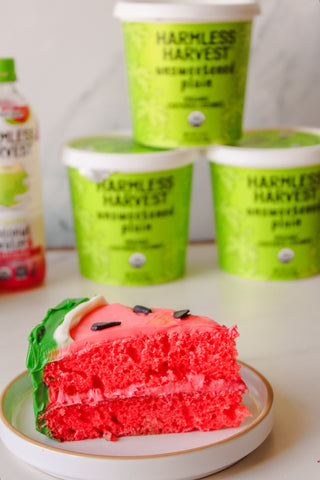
{"type": "Point", "coordinates": [183, 456]}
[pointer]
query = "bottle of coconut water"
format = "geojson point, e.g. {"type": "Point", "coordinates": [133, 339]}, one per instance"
{"type": "Point", "coordinates": [22, 258]}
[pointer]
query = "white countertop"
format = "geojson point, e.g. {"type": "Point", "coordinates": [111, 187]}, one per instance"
{"type": "Point", "coordinates": [279, 326]}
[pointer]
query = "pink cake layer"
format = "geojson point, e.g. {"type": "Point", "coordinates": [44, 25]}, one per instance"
{"type": "Point", "coordinates": [181, 412]}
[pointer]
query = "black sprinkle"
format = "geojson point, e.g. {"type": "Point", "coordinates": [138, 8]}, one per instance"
{"type": "Point", "coordinates": [103, 325]}
{"type": "Point", "coordinates": [141, 309]}
{"type": "Point", "coordinates": [181, 313]}
{"type": "Point", "coordinates": [40, 332]}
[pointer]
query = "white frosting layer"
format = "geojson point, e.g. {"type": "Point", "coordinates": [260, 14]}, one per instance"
{"type": "Point", "coordinates": [72, 318]}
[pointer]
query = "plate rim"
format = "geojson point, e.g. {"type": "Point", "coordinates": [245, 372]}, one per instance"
{"type": "Point", "coordinates": [262, 415]}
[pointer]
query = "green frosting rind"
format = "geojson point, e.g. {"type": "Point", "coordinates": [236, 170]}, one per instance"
{"type": "Point", "coordinates": [41, 346]}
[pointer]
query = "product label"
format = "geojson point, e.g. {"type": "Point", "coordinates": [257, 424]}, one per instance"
{"type": "Point", "coordinates": [12, 184]}
{"type": "Point", "coordinates": [21, 228]}
{"type": "Point", "coordinates": [187, 81]}
{"type": "Point", "coordinates": [267, 221]}
{"type": "Point", "coordinates": [132, 229]}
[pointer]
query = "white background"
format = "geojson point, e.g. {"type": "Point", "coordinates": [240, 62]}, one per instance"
{"type": "Point", "coordinates": [69, 59]}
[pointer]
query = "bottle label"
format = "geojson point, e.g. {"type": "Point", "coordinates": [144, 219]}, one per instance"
{"type": "Point", "coordinates": [21, 225]}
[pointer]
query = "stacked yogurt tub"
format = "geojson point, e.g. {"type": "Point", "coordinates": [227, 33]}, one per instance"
{"type": "Point", "coordinates": [131, 209]}
{"type": "Point", "coordinates": [187, 68]}
{"type": "Point", "coordinates": [267, 204]}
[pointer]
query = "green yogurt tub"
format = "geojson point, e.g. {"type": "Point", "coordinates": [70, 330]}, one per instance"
{"type": "Point", "coordinates": [187, 68]}
{"type": "Point", "coordinates": [131, 209]}
{"type": "Point", "coordinates": [266, 192]}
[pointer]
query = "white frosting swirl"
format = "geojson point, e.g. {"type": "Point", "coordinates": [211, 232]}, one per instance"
{"type": "Point", "coordinates": [72, 318]}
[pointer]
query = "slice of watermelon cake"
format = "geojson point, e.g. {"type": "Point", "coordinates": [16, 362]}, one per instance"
{"type": "Point", "coordinates": [107, 370]}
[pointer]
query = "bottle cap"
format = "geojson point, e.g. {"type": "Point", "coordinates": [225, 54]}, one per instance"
{"type": "Point", "coordinates": [7, 71]}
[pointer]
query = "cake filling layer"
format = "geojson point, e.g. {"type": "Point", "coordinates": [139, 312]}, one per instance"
{"type": "Point", "coordinates": [195, 383]}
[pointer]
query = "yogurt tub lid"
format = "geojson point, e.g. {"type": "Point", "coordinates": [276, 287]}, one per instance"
{"type": "Point", "coordinates": [270, 148]}
{"type": "Point", "coordinates": [98, 156]}
{"type": "Point", "coordinates": [186, 10]}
